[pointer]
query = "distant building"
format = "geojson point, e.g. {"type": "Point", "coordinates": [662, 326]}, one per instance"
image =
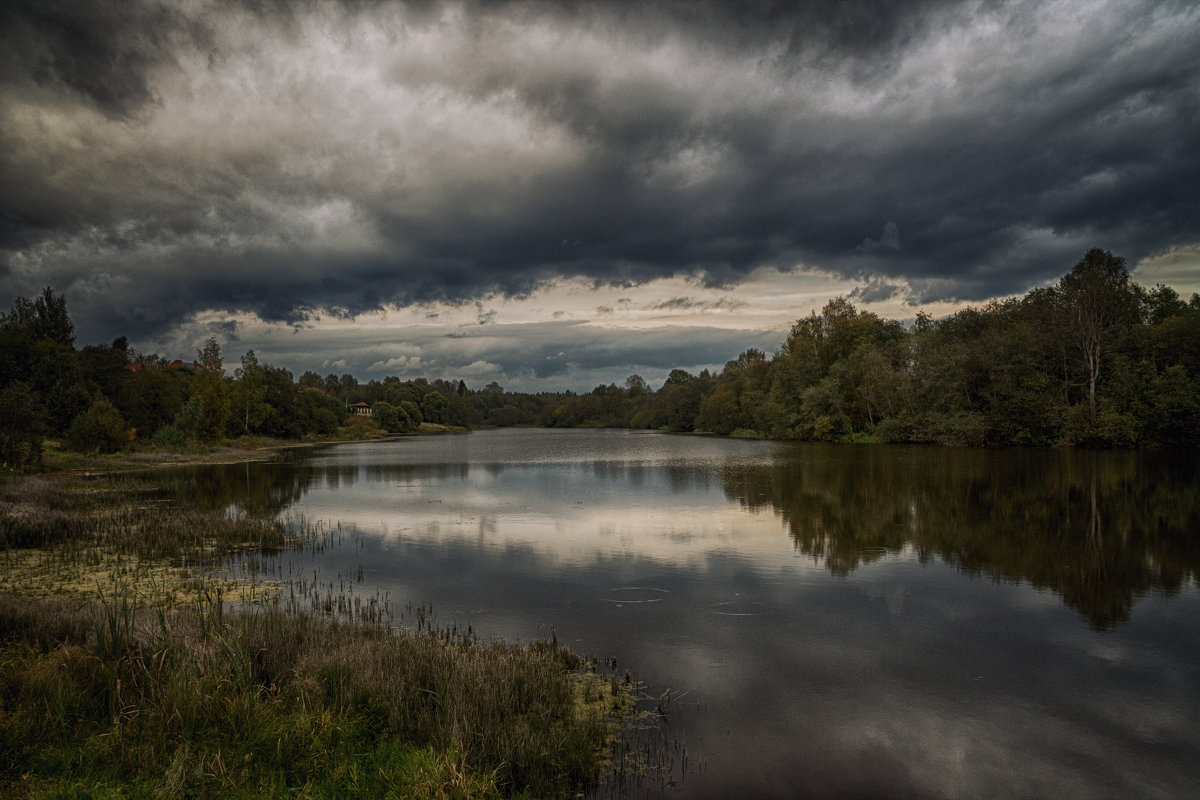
{"type": "Point", "coordinates": [360, 410]}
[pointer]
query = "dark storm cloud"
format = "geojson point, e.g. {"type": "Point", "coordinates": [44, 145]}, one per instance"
{"type": "Point", "coordinates": [315, 159]}
{"type": "Point", "coordinates": [577, 352]}
{"type": "Point", "coordinates": [875, 291]}
{"type": "Point", "coordinates": [552, 355]}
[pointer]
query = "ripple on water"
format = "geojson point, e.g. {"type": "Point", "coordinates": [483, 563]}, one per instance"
{"type": "Point", "coordinates": [741, 608]}
{"type": "Point", "coordinates": [635, 595]}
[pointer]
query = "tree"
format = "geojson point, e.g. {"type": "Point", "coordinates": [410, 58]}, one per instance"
{"type": "Point", "coordinates": [210, 389]}
{"type": "Point", "coordinates": [252, 389]}
{"type": "Point", "coordinates": [413, 412]}
{"type": "Point", "coordinates": [1100, 304]}
{"type": "Point", "coordinates": [44, 318]}
{"type": "Point", "coordinates": [434, 407]}
{"type": "Point", "coordinates": [387, 415]}
{"type": "Point", "coordinates": [311, 380]}
{"type": "Point", "coordinates": [20, 428]}
{"type": "Point", "coordinates": [189, 421]}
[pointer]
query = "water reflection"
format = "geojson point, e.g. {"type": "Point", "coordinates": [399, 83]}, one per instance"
{"type": "Point", "coordinates": [847, 621]}
{"type": "Point", "coordinates": [1098, 529]}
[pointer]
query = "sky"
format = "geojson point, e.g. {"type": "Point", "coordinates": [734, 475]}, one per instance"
{"type": "Point", "coordinates": [556, 195]}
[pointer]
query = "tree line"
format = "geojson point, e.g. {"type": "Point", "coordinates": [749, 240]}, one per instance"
{"type": "Point", "coordinates": [108, 397]}
{"type": "Point", "coordinates": [1092, 360]}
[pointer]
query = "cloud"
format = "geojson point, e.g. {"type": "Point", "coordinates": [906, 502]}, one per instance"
{"type": "Point", "coordinates": [397, 365]}
{"type": "Point", "coordinates": [314, 161]}
{"type": "Point", "coordinates": [876, 290]}
{"type": "Point", "coordinates": [693, 304]}
{"type": "Point", "coordinates": [888, 241]}
{"type": "Point", "coordinates": [484, 316]}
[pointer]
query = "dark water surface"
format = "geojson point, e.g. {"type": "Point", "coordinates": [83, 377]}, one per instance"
{"type": "Point", "coordinates": [844, 621]}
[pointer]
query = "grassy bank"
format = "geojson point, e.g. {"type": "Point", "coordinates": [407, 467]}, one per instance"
{"type": "Point", "coordinates": [125, 673]}
{"type": "Point", "coordinates": [109, 698]}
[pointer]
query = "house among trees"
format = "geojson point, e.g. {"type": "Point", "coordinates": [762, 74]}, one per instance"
{"type": "Point", "coordinates": [360, 409]}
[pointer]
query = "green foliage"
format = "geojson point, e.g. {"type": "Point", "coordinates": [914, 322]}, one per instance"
{"type": "Point", "coordinates": [268, 705]}
{"type": "Point", "coordinates": [387, 416]}
{"type": "Point", "coordinates": [99, 429]}
{"type": "Point", "coordinates": [359, 428]}
{"type": "Point", "coordinates": [325, 422]}
{"type": "Point", "coordinates": [251, 394]}
{"type": "Point", "coordinates": [189, 422]}
{"type": "Point", "coordinates": [1093, 360]}
{"type": "Point", "coordinates": [20, 428]}
{"type": "Point", "coordinates": [171, 437]}
{"type": "Point", "coordinates": [209, 386]}
{"type": "Point", "coordinates": [435, 408]}
{"type": "Point", "coordinates": [44, 318]}
{"type": "Point", "coordinates": [414, 414]}
{"type": "Point", "coordinates": [320, 414]}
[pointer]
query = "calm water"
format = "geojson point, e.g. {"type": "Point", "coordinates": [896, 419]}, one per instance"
{"type": "Point", "coordinates": [844, 621]}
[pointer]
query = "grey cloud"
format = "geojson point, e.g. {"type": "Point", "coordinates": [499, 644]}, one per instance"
{"type": "Point", "coordinates": [300, 160]}
{"type": "Point", "coordinates": [692, 304]}
{"type": "Point", "coordinates": [876, 290]}
{"type": "Point", "coordinates": [889, 240]}
{"type": "Point", "coordinates": [484, 316]}
{"type": "Point", "coordinates": [542, 356]}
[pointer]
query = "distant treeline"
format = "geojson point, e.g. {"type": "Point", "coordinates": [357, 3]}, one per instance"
{"type": "Point", "coordinates": [105, 398]}
{"type": "Point", "coordinates": [1094, 360]}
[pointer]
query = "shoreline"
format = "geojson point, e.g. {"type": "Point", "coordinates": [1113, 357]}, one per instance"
{"type": "Point", "coordinates": [127, 606]}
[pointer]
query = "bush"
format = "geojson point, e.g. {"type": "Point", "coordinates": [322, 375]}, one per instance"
{"type": "Point", "coordinates": [99, 429]}
{"type": "Point", "coordinates": [359, 428]}
{"type": "Point", "coordinates": [171, 437]}
{"type": "Point", "coordinates": [962, 429]}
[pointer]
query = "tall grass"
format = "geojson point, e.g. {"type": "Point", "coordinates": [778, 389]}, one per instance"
{"type": "Point", "coordinates": [198, 703]}
{"type": "Point", "coordinates": [134, 688]}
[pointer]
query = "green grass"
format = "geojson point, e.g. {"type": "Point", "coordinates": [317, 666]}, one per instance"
{"type": "Point", "coordinates": [125, 673]}
{"type": "Point", "coordinates": [113, 696]}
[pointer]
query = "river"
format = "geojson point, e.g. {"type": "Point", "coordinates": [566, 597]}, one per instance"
{"type": "Point", "coordinates": [831, 620]}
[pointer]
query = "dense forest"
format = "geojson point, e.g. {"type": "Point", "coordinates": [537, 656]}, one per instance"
{"type": "Point", "coordinates": [1093, 360]}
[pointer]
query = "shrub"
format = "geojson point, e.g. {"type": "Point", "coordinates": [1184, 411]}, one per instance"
{"type": "Point", "coordinates": [359, 428]}
{"type": "Point", "coordinates": [171, 437]}
{"type": "Point", "coordinates": [99, 429]}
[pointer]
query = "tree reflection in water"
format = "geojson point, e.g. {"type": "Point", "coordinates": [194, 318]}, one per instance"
{"type": "Point", "coordinates": [1098, 529]}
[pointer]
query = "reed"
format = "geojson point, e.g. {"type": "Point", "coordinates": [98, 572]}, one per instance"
{"type": "Point", "coordinates": [197, 703]}
{"type": "Point", "coordinates": [147, 675]}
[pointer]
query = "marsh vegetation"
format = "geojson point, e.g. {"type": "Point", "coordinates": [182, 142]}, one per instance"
{"type": "Point", "coordinates": [129, 667]}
